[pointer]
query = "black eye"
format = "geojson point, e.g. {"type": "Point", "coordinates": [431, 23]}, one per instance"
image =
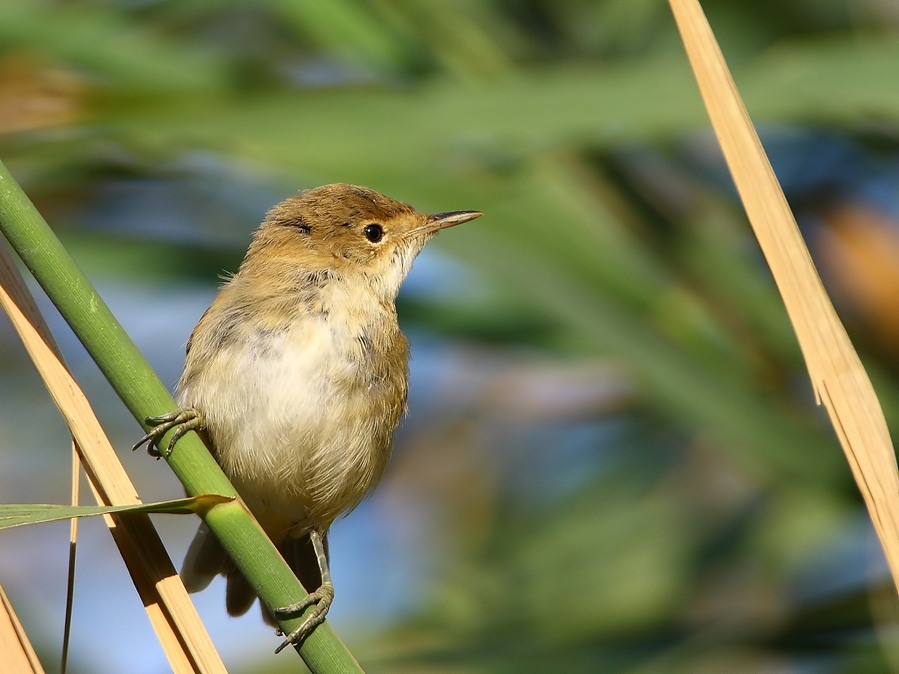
{"type": "Point", "coordinates": [373, 233]}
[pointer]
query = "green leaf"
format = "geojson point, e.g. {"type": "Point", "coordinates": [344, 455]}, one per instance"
{"type": "Point", "coordinates": [127, 54]}
{"type": "Point", "coordinates": [20, 514]}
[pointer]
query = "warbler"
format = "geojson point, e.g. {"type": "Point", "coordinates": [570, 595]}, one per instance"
{"type": "Point", "coordinates": [297, 375]}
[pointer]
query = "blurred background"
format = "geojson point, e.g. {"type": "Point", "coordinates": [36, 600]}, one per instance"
{"type": "Point", "coordinates": [613, 459]}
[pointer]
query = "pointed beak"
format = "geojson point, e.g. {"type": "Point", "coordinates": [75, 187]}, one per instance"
{"type": "Point", "coordinates": [439, 221]}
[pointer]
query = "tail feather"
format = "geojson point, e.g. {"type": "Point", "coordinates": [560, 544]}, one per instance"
{"type": "Point", "coordinates": [239, 594]}
{"type": "Point", "coordinates": [206, 559]}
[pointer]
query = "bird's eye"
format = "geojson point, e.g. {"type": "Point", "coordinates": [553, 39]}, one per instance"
{"type": "Point", "coordinates": [373, 233]}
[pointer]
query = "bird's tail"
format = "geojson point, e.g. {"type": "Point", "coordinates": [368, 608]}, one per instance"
{"type": "Point", "coordinates": [206, 559]}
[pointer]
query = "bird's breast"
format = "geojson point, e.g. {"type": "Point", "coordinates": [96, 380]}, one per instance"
{"type": "Point", "coordinates": [302, 415]}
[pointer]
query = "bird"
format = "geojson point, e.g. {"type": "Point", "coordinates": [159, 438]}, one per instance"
{"type": "Point", "coordinates": [297, 376]}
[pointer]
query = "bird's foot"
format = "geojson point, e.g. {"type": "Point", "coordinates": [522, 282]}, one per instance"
{"type": "Point", "coordinates": [320, 601]}
{"type": "Point", "coordinates": [180, 420]}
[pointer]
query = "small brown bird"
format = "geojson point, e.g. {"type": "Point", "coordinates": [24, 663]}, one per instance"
{"type": "Point", "coordinates": [297, 374]}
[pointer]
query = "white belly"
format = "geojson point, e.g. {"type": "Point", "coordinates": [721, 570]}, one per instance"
{"type": "Point", "coordinates": [296, 422]}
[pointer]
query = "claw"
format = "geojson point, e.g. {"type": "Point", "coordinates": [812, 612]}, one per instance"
{"type": "Point", "coordinates": [181, 420]}
{"type": "Point", "coordinates": [320, 600]}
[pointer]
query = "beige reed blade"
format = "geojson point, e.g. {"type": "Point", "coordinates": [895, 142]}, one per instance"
{"type": "Point", "coordinates": [18, 654]}
{"type": "Point", "coordinates": [839, 380]}
{"type": "Point", "coordinates": [183, 637]}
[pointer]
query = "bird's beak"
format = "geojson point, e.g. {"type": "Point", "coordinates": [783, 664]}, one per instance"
{"type": "Point", "coordinates": [439, 221]}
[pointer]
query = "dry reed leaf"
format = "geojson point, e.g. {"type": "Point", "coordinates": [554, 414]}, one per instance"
{"type": "Point", "coordinates": [73, 549]}
{"type": "Point", "coordinates": [18, 654]}
{"type": "Point", "coordinates": [839, 380]}
{"type": "Point", "coordinates": [178, 627]}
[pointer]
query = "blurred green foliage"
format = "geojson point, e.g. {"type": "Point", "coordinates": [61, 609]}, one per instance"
{"type": "Point", "coordinates": [713, 525]}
